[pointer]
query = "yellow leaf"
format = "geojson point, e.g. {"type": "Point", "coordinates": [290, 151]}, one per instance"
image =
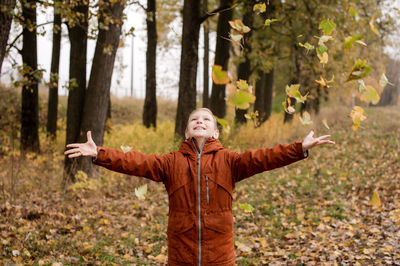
{"type": "Point", "coordinates": [127, 256]}
{"type": "Point", "coordinates": [323, 58]}
{"type": "Point", "coordinates": [141, 191]}
{"type": "Point", "coordinates": [375, 199]}
{"type": "Point", "coordinates": [125, 149]}
{"type": "Point", "coordinates": [104, 221]}
{"type": "Point", "coordinates": [325, 123]}
{"type": "Point", "coordinates": [219, 76]}
{"type": "Point", "coordinates": [306, 119]}
{"type": "Point", "coordinates": [160, 257]}
{"type": "Point", "coordinates": [370, 95]}
{"type": "Point", "coordinates": [372, 26]}
{"type": "Point", "coordinates": [357, 114]}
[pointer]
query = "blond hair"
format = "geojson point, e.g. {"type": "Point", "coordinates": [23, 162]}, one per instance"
{"type": "Point", "coordinates": [203, 109]}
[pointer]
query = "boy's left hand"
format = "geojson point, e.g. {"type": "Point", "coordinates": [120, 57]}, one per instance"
{"type": "Point", "coordinates": [309, 141]}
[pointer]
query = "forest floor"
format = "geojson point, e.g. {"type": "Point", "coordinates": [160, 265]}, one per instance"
{"type": "Point", "coordinates": [339, 206]}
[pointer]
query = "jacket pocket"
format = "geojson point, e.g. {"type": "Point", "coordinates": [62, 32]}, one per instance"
{"type": "Point", "coordinates": [180, 195]}
{"type": "Point", "coordinates": [220, 194]}
{"type": "Point", "coordinates": [218, 237]}
{"type": "Point", "coordinates": [181, 239]}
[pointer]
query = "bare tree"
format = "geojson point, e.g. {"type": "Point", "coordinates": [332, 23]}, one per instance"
{"type": "Point", "coordinates": [30, 95]}
{"type": "Point", "coordinates": [55, 63]}
{"type": "Point", "coordinates": [6, 6]}
{"type": "Point", "coordinates": [150, 102]}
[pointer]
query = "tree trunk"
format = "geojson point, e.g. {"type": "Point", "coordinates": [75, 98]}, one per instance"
{"type": "Point", "coordinates": [218, 104]}
{"type": "Point", "coordinates": [30, 96]}
{"type": "Point", "coordinates": [188, 67]}
{"type": "Point", "coordinates": [206, 77]}
{"type": "Point", "coordinates": [98, 92]}
{"type": "Point", "coordinates": [53, 88]}
{"type": "Point", "coordinates": [6, 6]}
{"type": "Point", "coordinates": [264, 88]}
{"type": "Point", "coordinates": [150, 102]}
{"type": "Point", "coordinates": [77, 88]}
{"type": "Point", "coordinates": [244, 70]}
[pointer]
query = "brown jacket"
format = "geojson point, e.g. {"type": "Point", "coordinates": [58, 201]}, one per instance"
{"type": "Point", "coordinates": [200, 225]}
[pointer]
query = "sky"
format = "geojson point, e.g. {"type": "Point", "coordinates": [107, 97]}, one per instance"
{"type": "Point", "coordinates": [168, 62]}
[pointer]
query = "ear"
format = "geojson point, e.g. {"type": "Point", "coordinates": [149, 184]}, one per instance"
{"type": "Point", "coordinates": [186, 134]}
{"type": "Point", "coordinates": [216, 134]}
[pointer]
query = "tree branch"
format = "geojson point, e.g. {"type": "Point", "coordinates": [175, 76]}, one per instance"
{"type": "Point", "coordinates": [139, 4]}
{"type": "Point", "coordinates": [11, 45]}
{"type": "Point", "coordinates": [216, 11]}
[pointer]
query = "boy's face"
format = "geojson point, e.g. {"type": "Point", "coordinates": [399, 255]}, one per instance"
{"type": "Point", "coordinates": [201, 125]}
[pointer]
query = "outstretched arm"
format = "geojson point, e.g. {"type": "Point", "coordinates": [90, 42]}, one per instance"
{"type": "Point", "coordinates": [88, 148]}
{"type": "Point", "coordinates": [150, 166]}
{"type": "Point", "coordinates": [252, 162]}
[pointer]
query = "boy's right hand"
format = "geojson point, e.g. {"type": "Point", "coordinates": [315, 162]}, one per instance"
{"type": "Point", "coordinates": [82, 149]}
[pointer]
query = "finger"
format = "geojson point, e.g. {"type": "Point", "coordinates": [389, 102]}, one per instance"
{"type": "Point", "coordinates": [72, 151]}
{"type": "Point", "coordinates": [324, 137]}
{"type": "Point", "coordinates": [74, 155]}
{"type": "Point", "coordinates": [89, 136]}
{"type": "Point", "coordinates": [73, 145]}
{"type": "Point", "coordinates": [326, 142]}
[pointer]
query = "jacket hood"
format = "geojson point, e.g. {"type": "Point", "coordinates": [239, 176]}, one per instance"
{"type": "Point", "coordinates": [211, 145]}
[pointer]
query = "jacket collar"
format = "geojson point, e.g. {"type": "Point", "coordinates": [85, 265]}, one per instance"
{"type": "Point", "coordinates": [211, 145]}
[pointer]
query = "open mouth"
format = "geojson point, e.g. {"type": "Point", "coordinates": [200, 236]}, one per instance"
{"type": "Point", "coordinates": [199, 128]}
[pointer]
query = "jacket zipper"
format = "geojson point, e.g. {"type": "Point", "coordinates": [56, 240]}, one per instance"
{"type": "Point", "coordinates": [208, 197]}
{"type": "Point", "coordinates": [199, 202]}
{"type": "Point", "coordinates": [199, 194]}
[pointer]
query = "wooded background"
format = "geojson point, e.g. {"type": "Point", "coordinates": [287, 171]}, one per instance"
{"type": "Point", "coordinates": [279, 67]}
{"type": "Point", "coordinates": [275, 49]}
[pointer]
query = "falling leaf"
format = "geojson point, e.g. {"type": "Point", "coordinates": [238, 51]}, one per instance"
{"type": "Point", "coordinates": [293, 91]}
{"type": "Point", "coordinates": [125, 149]}
{"type": "Point", "coordinates": [323, 58]}
{"type": "Point", "coordinates": [246, 207]}
{"type": "Point", "coordinates": [375, 199]}
{"type": "Point", "coordinates": [327, 26]}
{"type": "Point", "coordinates": [352, 12]}
{"type": "Point", "coordinates": [269, 21]}
{"type": "Point", "coordinates": [325, 123]}
{"type": "Point", "coordinates": [141, 191]}
{"type": "Point", "coordinates": [260, 8]}
{"type": "Point", "coordinates": [236, 37]}
{"type": "Point", "coordinates": [323, 39]}
{"type": "Point", "coordinates": [362, 86]}
{"type": "Point", "coordinates": [242, 84]}
{"type": "Point", "coordinates": [372, 26]}
{"type": "Point", "coordinates": [384, 81]}
{"type": "Point", "coordinates": [370, 95]}
{"type": "Point", "coordinates": [350, 40]}
{"type": "Point", "coordinates": [360, 70]}
{"type": "Point", "coordinates": [308, 46]}
{"type": "Point", "coordinates": [242, 99]}
{"type": "Point", "coordinates": [321, 49]}
{"type": "Point", "coordinates": [361, 42]}
{"type": "Point", "coordinates": [224, 123]}
{"type": "Point", "coordinates": [238, 25]}
{"type": "Point", "coordinates": [306, 119]}
{"type": "Point", "coordinates": [323, 82]}
{"type": "Point", "coordinates": [290, 110]}
{"type": "Point", "coordinates": [357, 115]}
{"type": "Point", "coordinates": [219, 76]}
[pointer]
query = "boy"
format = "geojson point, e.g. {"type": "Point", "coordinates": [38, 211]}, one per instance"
{"type": "Point", "coordinates": [199, 178]}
